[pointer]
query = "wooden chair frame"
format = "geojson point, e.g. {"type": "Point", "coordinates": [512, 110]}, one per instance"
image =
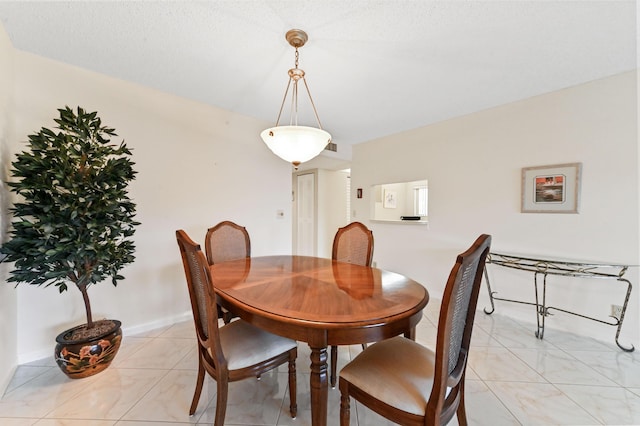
{"type": "Point", "coordinates": [455, 325]}
{"type": "Point", "coordinates": [211, 358]}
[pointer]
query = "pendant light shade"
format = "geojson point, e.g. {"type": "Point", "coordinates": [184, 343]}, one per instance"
{"type": "Point", "coordinates": [296, 144]}
{"type": "Point", "coordinates": [293, 143]}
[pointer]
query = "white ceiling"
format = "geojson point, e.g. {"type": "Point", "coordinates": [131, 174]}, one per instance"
{"type": "Point", "coordinates": [374, 67]}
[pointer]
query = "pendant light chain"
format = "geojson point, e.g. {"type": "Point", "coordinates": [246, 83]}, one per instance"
{"type": "Point", "coordinates": [293, 120]}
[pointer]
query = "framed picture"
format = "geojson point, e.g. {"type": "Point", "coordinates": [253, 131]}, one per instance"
{"type": "Point", "coordinates": [390, 199]}
{"type": "Point", "coordinates": [551, 189]}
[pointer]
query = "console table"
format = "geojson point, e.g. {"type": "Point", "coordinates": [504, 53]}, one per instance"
{"type": "Point", "coordinates": [545, 267]}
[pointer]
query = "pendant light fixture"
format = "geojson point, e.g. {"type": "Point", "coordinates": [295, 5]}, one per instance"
{"type": "Point", "coordinates": [293, 143]}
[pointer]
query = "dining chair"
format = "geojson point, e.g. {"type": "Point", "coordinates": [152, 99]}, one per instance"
{"type": "Point", "coordinates": [233, 351]}
{"type": "Point", "coordinates": [410, 384]}
{"type": "Point", "coordinates": [226, 241]}
{"type": "Point", "coordinates": [352, 244]}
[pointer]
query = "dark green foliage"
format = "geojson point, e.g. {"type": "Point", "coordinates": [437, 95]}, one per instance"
{"type": "Point", "coordinates": [73, 220]}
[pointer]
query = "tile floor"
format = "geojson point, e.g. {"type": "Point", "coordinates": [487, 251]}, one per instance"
{"type": "Point", "coordinates": [512, 379]}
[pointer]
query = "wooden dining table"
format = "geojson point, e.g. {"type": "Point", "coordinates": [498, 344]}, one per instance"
{"type": "Point", "coordinates": [321, 302]}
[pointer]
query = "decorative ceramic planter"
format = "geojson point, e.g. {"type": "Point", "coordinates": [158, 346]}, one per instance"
{"type": "Point", "coordinates": [79, 358]}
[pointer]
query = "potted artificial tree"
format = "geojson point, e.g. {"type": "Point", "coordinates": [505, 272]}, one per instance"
{"type": "Point", "coordinates": [73, 223]}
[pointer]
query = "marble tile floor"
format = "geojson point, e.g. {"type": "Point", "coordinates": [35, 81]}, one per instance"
{"type": "Point", "coordinates": [512, 379]}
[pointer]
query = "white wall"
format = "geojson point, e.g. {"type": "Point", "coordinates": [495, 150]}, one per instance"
{"type": "Point", "coordinates": [473, 165]}
{"type": "Point", "coordinates": [197, 165]}
{"type": "Point", "coordinates": [8, 314]}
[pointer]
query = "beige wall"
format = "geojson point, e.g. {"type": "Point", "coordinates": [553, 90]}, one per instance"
{"type": "Point", "coordinates": [8, 318]}
{"type": "Point", "coordinates": [197, 165]}
{"type": "Point", "coordinates": [473, 165]}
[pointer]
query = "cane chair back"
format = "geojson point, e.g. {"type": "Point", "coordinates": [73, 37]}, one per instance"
{"type": "Point", "coordinates": [227, 241]}
{"type": "Point", "coordinates": [353, 244]}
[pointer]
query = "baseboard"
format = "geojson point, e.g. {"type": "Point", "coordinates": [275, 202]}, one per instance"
{"type": "Point", "coordinates": [4, 381]}
{"type": "Point", "coordinates": [126, 331]}
{"type": "Point", "coordinates": [163, 322]}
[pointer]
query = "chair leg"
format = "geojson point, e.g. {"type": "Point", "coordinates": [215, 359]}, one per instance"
{"type": "Point", "coordinates": [224, 314]}
{"type": "Point", "coordinates": [227, 317]}
{"type": "Point", "coordinates": [220, 312]}
{"type": "Point", "coordinates": [345, 408]}
{"type": "Point", "coordinates": [461, 412]}
{"type": "Point", "coordinates": [334, 365]}
{"type": "Point", "coordinates": [293, 386]}
{"type": "Point", "coordinates": [221, 400]}
{"type": "Point", "coordinates": [198, 391]}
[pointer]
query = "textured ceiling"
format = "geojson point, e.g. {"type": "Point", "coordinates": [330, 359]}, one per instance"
{"type": "Point", "coordinates": [374, 67]}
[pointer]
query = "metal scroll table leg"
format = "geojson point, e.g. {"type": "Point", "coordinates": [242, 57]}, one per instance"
{"type": "Point", "coordinates": [621, 319]}
{"type": "Point", "coordinates": [493, 306]}
{"type": "Point", "coordinates": [541, 308]}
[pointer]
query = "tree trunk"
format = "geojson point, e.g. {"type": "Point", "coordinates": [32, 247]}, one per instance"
{"type": "Point", "coordinates": [87, 305]}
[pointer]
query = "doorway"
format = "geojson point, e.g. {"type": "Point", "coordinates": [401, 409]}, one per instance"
{"type": "Point", "coordinates": [321, 200]}
{"type": "Point", "coordinates": [304, 218]}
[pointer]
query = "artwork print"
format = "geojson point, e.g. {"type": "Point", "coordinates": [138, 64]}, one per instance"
{"type": "Point", "coordinates": [551, 189]}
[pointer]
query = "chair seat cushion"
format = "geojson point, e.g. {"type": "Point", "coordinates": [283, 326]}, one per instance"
{"type": "Point", "coordinates": [244, 345]}
{"type": "Point", "coordinates": [397, 371]}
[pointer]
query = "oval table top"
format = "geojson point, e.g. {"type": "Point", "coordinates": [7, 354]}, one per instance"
{"type": "Point", "coordinates": [317, 292]}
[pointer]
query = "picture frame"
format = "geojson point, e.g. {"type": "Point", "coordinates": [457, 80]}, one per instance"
{"type": "Point", "coordinates": [390, 199]}
{"type": "Point", "coordinates": [551, 189]}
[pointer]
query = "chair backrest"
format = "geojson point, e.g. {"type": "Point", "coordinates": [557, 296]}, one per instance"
{"type": "Point", "coordinates": [227, 241]}
{"type": "Point", "coordinates": [455, 324]}
{"type": "Point", "coordinates": [202, 295]}
{"type": "Point", "coordinates": [353, 244]}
